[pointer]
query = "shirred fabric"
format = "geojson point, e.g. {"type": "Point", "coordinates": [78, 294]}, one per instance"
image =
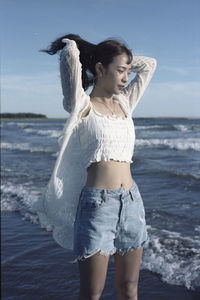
{"type": "Point", "coordinates": [105, 137]}
{"type": "Point", "coordinates": [57, 205]}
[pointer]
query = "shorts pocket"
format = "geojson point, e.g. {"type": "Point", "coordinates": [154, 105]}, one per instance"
{"type": "Point", "coordinates": [91, 202]}
{"type": "Point", "coordinates": [137, 196]}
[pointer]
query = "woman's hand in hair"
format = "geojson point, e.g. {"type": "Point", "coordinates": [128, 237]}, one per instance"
{"type": "Point", "coordinates": [71, 45]}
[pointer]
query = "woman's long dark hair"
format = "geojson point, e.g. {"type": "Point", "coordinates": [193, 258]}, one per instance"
{"type": "Point", "coordinates": [90, 54]}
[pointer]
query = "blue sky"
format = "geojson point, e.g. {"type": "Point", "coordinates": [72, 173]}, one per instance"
{"type": "Point", "coordinates": [168, 30]}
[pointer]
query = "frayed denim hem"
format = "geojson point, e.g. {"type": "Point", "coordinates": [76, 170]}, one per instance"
{"type": "Point", "coordinates": [99, 251]}
{"type": "Point", "coordinates": [129, 249]}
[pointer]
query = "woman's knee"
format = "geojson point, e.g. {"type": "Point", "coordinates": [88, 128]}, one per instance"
{"type": "Point", "coordinates": [91, 294]}
{"type": "Point", "coordinates": [128, 289]}
{"type": "Point", "coordinates": [92, 290]}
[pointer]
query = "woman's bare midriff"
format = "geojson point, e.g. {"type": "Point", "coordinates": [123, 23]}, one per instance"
{"type": "Point", "coordinates": [109, 175]}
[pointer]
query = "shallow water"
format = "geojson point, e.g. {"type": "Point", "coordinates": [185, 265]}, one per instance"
{"type": "Point", "coordinates": [166, 169]}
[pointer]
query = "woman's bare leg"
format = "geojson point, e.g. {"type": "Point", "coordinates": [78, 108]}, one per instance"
{"type": "Point", "coordinates": [127, 269]}
{"type": "Point", "coordinates": [93, 272]}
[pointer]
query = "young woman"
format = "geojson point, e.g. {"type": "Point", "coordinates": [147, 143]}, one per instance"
{"type": "Point", "coordinates": [92, 202]}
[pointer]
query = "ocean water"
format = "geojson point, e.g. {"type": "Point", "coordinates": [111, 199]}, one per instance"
{"type": "Point", "coordinates": [167, 170]}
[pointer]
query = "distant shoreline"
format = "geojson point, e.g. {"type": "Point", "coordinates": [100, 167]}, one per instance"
{"type": "Point", "coordinates": [64, 119]}
{"type": "Point", "coordinates": [32, 119]}
{"type": "Point", "coordinates": [28, 116]}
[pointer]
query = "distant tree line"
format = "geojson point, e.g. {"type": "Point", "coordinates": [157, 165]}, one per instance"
{"type": "Point", "coordinates": [21, 115]}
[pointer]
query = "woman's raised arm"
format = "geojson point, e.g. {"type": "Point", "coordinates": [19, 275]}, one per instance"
{"type": "Point", "coordinates": [71, 75]}
{"type": "Point", "coordinates": [144, 67]}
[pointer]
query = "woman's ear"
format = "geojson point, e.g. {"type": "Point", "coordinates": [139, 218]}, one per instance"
{"type": "Point", "coordinates": [99, 69]}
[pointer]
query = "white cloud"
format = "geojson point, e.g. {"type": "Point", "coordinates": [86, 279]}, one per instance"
{"type": "Point", "coordinates": [39, 83]}
{"type": "Point", "coordinates": [42, 93]}
{"type": "Point", "coordinates": [178, 70]}
{"type": "Point", "coordinates": [181, 99]}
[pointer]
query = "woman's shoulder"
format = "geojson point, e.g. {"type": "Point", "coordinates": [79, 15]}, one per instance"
{"type": "Point", "coordinates": [123, 101]}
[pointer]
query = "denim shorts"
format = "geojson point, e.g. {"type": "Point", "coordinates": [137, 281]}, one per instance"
{"type": "Point", "coordinates": [109, 221]}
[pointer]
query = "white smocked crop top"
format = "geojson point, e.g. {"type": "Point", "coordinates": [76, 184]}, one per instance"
{"type": "Point", "coordinates": [105, 137]}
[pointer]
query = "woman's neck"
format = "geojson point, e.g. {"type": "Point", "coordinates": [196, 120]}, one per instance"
{"type": "Point", "coordinates": [102, 95]}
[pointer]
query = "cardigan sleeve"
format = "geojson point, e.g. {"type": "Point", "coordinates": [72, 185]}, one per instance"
{"type": "Point", "coordinates": [144, 68]}
{"type": "Point", "coordinates": [71, 75]}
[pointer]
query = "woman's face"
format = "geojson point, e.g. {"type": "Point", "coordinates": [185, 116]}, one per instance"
{"type": "Point", "coordinates": [114, 78]}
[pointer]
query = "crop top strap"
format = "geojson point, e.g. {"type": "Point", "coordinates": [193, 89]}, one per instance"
{"type": "Point", "coordinates": [100, 114]}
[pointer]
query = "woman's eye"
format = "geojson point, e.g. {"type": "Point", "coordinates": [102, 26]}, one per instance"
{"type": "Point", "coordinates": [120, 71]}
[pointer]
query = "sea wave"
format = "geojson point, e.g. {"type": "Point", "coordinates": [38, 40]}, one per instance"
{"type": "Point", "coordinates": [17, 196]}
{"type": "Point", "coordinates": [150, 127]}
{"type": "Point", "coordinates": [47, 132]}
{"type": "Point", "coordinates": [25, 147]}
{"type": "Point", "coordinates": [197, 228]}
{"type": "Point", "coordinates": [178, 144]}
{"type": "Point", "coordinates": [177, 172]}
{"type": "Point", "coordinates": [169, 127]}
{"type": "Point", "coordinates": [173, 256]}
{"type": "Point", "coordinates": [23, 124]}
{"type": "Point", "coordinates": [183, 127]}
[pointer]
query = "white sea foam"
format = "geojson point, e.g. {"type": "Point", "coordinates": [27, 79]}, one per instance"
{"type": "Point", "coordinates": [21, 197]}
{"type": "Point", "coordinates": [188, 127]}
{"type": "Point", "coordinates": [17, 196]}
{"type": "Point", "coordinates": [145, 127]}
{"type": "Point", "coordinates": [174, 256]}
{"type": "Point", "coordinates": [168, 127]}
{"type": "Point", "coordinates": [25, 124]}
{"type": "Point", "coordinates": [11, 123]}
{"type": "Point", "coordinates": [182, 127]}
{"type": "Point", "coordinates": [197, 228]}
{"type": "Point", "coordinates": [50, 133]}
{"type": "Point", "coordinates": [25, 147]}
{"type": "Point", "coordinates": [55, 154]}
{"type": "Point", "coordinates": [178, 144]}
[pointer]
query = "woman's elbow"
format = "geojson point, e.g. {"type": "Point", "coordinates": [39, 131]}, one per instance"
{"type": "Point", "coordinates": [67, 106]}
{"type": "Point", "coordinates": [153, 63]}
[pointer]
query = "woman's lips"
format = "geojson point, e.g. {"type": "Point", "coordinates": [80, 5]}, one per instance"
{"type": "Point", "coordinates": [120, 87]}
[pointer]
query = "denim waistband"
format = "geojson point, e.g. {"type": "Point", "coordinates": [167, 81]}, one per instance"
{"type": "Point", "coordinates": [112, 192]}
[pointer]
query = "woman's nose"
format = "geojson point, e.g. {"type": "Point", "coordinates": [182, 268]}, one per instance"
{"type": "Point", "coordinates": [125, 77]}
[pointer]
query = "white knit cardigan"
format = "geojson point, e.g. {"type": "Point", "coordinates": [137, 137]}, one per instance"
{"type": "Point", "coordinates": [57, 206]}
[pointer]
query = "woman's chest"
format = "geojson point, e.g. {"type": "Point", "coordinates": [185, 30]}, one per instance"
{"type": "Point", "coordinates": [106, 129]}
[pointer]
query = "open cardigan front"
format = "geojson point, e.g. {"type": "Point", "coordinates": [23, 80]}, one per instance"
{"type": "Point", "coordinates": [57, 205]}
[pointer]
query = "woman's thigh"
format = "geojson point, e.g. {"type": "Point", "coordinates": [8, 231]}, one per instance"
{"type": "Point", "coordinates": [127, 267]}
{"type": "Point", "coordinates": [93, 272]}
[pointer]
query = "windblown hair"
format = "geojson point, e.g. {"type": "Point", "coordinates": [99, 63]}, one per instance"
{"type": "Point", "coordinates": [90, 54]}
